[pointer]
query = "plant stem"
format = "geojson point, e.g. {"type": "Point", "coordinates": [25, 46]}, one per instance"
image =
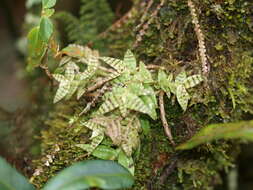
{"type": "Point", "coordinates": [166, 127]}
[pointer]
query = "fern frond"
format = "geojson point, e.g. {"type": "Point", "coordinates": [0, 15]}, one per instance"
{"type": "Point", "coordinates": [72, 26]}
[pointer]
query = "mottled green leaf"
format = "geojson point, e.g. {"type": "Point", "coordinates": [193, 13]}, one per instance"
{"type": "Point", "coordinates": [143, 75]}
{"type": "Point", "coordinates": [10, 179]}
{"type": "Point", "coordinates": [63, 88]}
{"type": "Point", "coordinates": [129, 61]}
{"type": "Point", "coordinates": [182, 96]}
{"type": "Point", "coordinates": [109, 104]}
{"type": "Point", "coordinates": [240, 130]}
{"type": "Point", "coordinates": [193, 81]}
{"type": "Point", "coordinates": [46, 4]}
{"type": "Point", "coordinates": [103, 174]}
{"type": "Point", "coordinates": [46, 29]}
{"type": "Point", "coordinates": [117, 64]}
{"type": "Point", "coordinates": [164, 82]}
{"type": "Point", "coordinates": [126, 161]}
{"type": "Point", "coordinates": [136, 103]}
{"type": "Point", "coordinates": [181, 77]}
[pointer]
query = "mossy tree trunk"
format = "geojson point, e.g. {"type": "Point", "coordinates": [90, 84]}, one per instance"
{"type": "Point", "coordinates": [161, 32]}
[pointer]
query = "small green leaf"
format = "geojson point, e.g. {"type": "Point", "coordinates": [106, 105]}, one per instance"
{"type": "Point", "coordinates": [241, 130]}
{"type": "Point", "coordinates": [126, 161]}
{"type": "Point", "coordinates": [164, 82]}
{"type": "Point", "coordinates": [105, 152]}
{"type": "Point", "coordinates": [46, 28]}
{"type": "Point", "coordinates": [36, 48]}
{"type": "Point", "coordinates": [145, 125]}
{"type": "Point", "coordinates": [103, 174]}
{"type": "Point", "coordinates": [47, 4]}
{"type": "Point", "coordinates": [48, 12]}
{"type": "Point", "coordinates": [10, 179]}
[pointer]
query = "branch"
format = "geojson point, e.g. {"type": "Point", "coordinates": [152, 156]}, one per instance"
{"type": "Point", "coordinates": [155, 67]}
{"type": "Point", "coordinates": [98, 85]}
{"type": "Point", "coordinates": [163, 118]}
{"type": "Point", "coordinates": [97, 95]}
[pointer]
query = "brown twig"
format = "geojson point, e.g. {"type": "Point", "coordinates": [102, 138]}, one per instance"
{"type": "Point", "coordinates": [168, 169]}
{"type": "Point", "coordinates": [98, 85]}
{"type": "Point", "coordinates": [97, 95]}
{"type": "Point", "coordinates": [45, 68]}
{"type": "Point", "coordinates": [155, 67]}
{"type": "Point", "coordinates": [163, 118]}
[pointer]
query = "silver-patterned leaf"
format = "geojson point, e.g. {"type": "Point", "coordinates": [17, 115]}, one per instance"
{"type": "Point", "coordinates": [111, 103]}
{"type": "Point", "coordinates": [163, 82]}
{"type": "Point", "coordinates": [181, 77]}
{"type": "Point", "coordinates": [63, 88]}
{"type": "Point", "coordinates": [73, 88]}
{"type": "Point", "coordinates": [193, 81]}
{"type": "Point", "coordinates": [129, 61]}
{"type": "Point", "coordinates": [136, 103]}
{"type": "Point", "coordinates": [182, 96]}
{"type": "Point", "coordinates": [64, 60]}
{"type": "Point", "coordinates": [117, 64]}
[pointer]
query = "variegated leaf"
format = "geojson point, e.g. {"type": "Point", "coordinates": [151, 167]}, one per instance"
{"type": "Point", "coordinates": [96, 141]}
{"type": "Point", "coordinates": [97, 134]}
{"type": "Point", "coordinates": [113, 130]}
{"type": "Point", "coordinates": [64, 60]}
{"type": "Point", "coordinates": [164, 81]}
{"type": "Point", "coordinates": [150, 102]}
{"type": "Point", "coordinates": [63, 88]}
{"type": "Point", "coordinates": [73, 88]}
{"type": "Point", "coordinates": [80, 92]}
{"type": "Point", "coordinates": [60, 78]}
{"type": "Point", "coordinates": [117, 64]}
{"type": "Point", "coordinates": [109, 104]}
{"type": "Point", "coordinates": [193, 81]}
{"type": "Point", "coordinates": [135, 103]}
{"type": "Point", "coordinates": [131, 139]}
{"type": "Point", "coordinates": [126, 161]}
{"type": "Point", "coordinates": [173, 87]}
{"type": "Point", "coordinates": [143, 75]}
{"type": "Point", "coordinates": [71, 68]}
{"type": "Point", "coordinates": [182, 96]}
{"type": "Point", "coordinates": [112, 127]}
{"type": "Point", "coordinates": [181, 77]}
{"type": "Point", "coordinates": [130, 61]}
